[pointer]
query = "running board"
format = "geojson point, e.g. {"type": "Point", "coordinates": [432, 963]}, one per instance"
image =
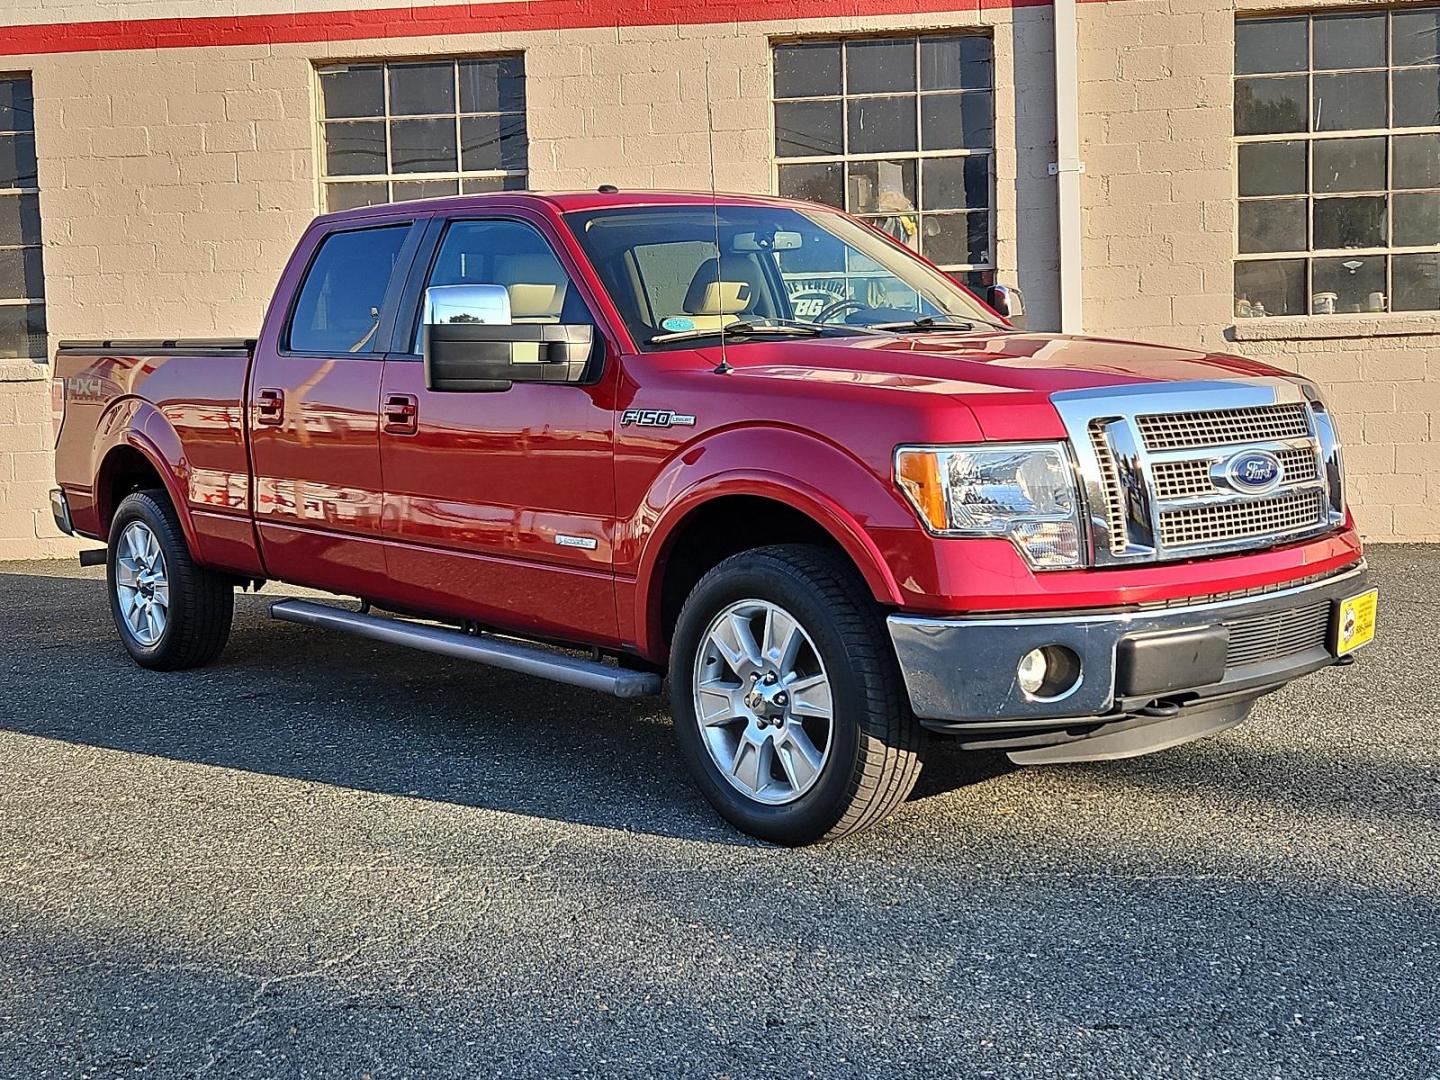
{"type": "Point", "coordinates": [526, 659]}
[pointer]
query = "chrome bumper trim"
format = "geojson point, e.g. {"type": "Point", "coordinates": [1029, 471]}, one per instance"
{"type": "Point", "coordinates": [60, 508]}
{"type": "Point", "coordinates": [962, 670]}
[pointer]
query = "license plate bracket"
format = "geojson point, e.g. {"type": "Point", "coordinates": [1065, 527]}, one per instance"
{"type": "Point", "coordinates": [1354, 622]}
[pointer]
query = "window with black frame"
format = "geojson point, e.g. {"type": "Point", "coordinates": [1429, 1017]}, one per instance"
{"type": "Point", "coordinates": [897, 130]}
{"type": "Point", "coordinates": [420, 130]}
{"type": "Point", "coordinates": [22, 280]}
{"type": "Point", "coordinates": [1337, 126]}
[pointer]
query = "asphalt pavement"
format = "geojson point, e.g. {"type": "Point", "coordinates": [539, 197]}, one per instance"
{"type": "Point", "coordinates": [330, 858]}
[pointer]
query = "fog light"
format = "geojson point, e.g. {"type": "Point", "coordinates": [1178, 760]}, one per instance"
{"type": "Point", "coordinates": [1032, 670]}
{"type": "Point", "coordinates": [1048, 672]}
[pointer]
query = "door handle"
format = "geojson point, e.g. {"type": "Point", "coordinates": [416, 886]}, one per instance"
{"type": "Point", "coordinates": [270, 407]}
{"type": "Point", "coordinates": [401, 414]}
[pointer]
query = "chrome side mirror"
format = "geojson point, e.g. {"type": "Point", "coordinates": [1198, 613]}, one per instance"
{"type": "Point", "coordinates": [1007, 300]}
{"type": "Point", "coordinates": [486, 305]}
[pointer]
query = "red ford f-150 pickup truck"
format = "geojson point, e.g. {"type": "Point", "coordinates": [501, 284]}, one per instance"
{"type": "Point", "coordinates": [752, 443]}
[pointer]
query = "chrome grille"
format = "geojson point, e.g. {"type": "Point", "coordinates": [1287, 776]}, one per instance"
{"type": "Point", "coordinates": [1223, 427]}
{"type": "Point", "coordinates": [1159, 463]}
{"type": "Point", "coordinates": [1270, 517]}
{"type": "Point", "coordinates": [1278, 634]}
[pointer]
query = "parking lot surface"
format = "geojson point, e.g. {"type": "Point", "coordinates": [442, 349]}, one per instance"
{"type": "Point", "coordinates": [326, 857]}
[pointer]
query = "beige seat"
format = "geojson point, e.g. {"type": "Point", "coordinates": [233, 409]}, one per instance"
{"type": "Point", "coordinates": [720, 292]}
{"type": "Point", "coordinates": [536, 284]}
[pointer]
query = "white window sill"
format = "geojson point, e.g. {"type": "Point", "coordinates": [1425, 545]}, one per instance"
{"type": "Point", "coordinates": [1298, 327]}
{"type": "Point", "coordinates": [12, 370]}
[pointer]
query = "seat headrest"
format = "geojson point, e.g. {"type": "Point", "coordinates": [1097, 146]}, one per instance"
{"type": "Point", "coordinates": [531, 300]}
{"type": "Point", "coordinates": [724, 286]}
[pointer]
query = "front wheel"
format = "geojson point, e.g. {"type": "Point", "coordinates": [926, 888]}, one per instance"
{"type": "Point", "coordinates": [788, 703]}
{"type": "Point", "coordinates": [171, 613]}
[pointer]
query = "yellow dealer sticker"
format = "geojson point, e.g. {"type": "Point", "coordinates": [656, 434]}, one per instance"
{"type": "Point", "coordinates": [1356, 624]}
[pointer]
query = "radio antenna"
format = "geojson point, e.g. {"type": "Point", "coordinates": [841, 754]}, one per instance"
{"type": "Point", "coordinates": [723, 368]}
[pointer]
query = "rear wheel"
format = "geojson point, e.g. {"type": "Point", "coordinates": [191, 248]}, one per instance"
{"type": "Point", "coordinates": [788, 702]}
{"type": "Point", "coordinates": [171, 613]}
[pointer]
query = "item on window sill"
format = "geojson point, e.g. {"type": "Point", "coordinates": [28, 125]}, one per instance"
{"type": "Point", "coordinates": [1377, 301]}
{"type": "Point", "coordinates": [1323, 303]}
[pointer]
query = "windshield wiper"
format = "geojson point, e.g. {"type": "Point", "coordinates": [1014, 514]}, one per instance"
{"type": "Point", "coordinates": [929, 322]}
{"type": "Point", "coordinates": [740, 328]}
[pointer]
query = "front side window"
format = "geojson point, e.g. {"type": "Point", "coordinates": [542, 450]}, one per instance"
{"type": "Point", "coordinates": [900, 131]}
{"type": "Point", "coordinates": [1337, 126]}
{"type": "Point", "coordinates": [695, 270]}
{"type": "Point", "coordinates": [22, 281]}
{"type": "Point", "coordinates": [338, 309]}
{"type": "Point", "coordinates": [420, 130]}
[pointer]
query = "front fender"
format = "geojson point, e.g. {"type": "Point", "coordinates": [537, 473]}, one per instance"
{"type": "Point", "coordinates": [853, 501]}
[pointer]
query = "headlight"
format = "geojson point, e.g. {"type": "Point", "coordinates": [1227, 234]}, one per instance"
{"type": "Point", "coordinates": [1025, 492]}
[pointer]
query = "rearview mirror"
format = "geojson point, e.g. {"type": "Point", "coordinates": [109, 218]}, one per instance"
{"type": "Point", "coordinates": [779, 240]}
{"type": "Point", "coordinates": [463, 353]}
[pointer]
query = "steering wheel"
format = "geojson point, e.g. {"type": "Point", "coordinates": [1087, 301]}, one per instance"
{"type": "Point", "coordinates": [837, 307]}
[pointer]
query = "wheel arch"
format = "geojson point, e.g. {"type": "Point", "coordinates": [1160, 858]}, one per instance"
{"type": "Point", "coordinates": [134, 461]}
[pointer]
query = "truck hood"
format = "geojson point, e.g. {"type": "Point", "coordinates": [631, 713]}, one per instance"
{"type": "Point", "coordinates": [1005, 378]}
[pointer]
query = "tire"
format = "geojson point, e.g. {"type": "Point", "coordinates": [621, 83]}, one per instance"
{"type": "Point", "coordinates": [191, 627]}
{"type": "Point", "coordinates": [872, 756]}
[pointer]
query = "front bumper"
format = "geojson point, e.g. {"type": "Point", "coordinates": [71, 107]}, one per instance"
{"type": "Point", "coordinates": [60, 508]}
{"type": "Point", "coordinates": [961, 672]}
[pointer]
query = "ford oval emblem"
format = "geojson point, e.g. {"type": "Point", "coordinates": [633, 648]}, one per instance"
{"type": "Point", "coordinates": [1254, 471]}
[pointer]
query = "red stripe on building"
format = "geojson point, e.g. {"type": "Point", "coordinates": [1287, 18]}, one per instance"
{"type": "Point", "coordinates": [423, 21]}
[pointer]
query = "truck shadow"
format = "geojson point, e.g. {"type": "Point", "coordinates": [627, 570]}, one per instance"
{"type": "Point", "coordinates": [300, 703]}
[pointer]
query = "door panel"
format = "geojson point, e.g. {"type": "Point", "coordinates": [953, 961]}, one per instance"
{"type": "Point", "coordinates": [315, 418]}
{"type": "Point", "coordinates": [500, 506]}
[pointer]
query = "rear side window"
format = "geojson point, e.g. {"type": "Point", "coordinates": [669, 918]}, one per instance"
{"type": "Point", "coordinates": [338, 310]}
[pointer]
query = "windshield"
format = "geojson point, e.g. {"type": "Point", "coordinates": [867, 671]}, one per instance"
{"type": "Point", "coordinates": [678, 273]}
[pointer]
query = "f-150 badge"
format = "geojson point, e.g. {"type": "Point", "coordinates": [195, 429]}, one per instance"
{"type": "Point", "coordinates": [655, 418]}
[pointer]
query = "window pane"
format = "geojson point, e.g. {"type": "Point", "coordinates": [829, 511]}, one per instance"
{"type": "Point", "coordinates": [22, 332]}
{"type": "Point", "coordinates": [956, 63]}
{"type": "Point", "coordinates": [1269, 106]}
{"type": "Point", "coordinates": [1271, 45]}
{"type": "Point", "coordinates": [1416, 281]}
{"type": "Point", "coordinates": [479, 185]}
{"type": "Point", "coordinates": [957, 121]}
{"type": "Point", "coordinates": [354, 149]}
{"type": "Point", "coordinates": [1416, 161]}
{"type": "Point", "coordinates": [425, 189]}
{"type": "Point", "coordinates": [344, 286]}
{"type": "Point", "coordinates": [422, 145]}
{"type": "Point", "coordinates": [959, 183]}
{"type": "Point", "coordinates": [1357, 283]}
{"type": "Point", "coordinates": [1415, 38]}
{"type": "Point", "coordinates": [882, 187]}
{"type": "Point", "coordinates": [422, 89]}
{"type": "Point", "coordinates": [17, 105]}
{"type": "Point", "coordinates": [1272, 168]}
{"type": "Point", "coordinates": [808, 128]}
{"type": "Point", "coordinates": [816, 183]}
{"type": "Point", "coordinates": [494, 142]}
{"type": "Point", "coordinates": [516, 256]}
{"type": "Point", "coordinates": [880, 67]}
{"type": "Point", "coordinates": [882, 125]}
{"type": "Point", "coordinates": [19, 219]}
{"type": "Point", "coordinates": [1270, 287]}
{"type": "Point", "coordinates": [1272, 225]}
{"type": "Point", "coordinates": [807, 70]}
{"type": "Point", "coordinates": [1349, 101]}
{"type": "Point", "coordinates": [1417, 219]}
{"type": "Point", "coordinates": [1350, 41]}
{"type": "Point", "coordinates": [353, 91]}
{"type": "Point", "coordinates": [956, 238]}
{"type": "Point", "coordinates": [493, 85]}
{"type": "Point", "coordinates": [1347, 223]}
{"type": "Point", "coordinates": [977, 281]}
{"type": "Point", "coordinates": [1417, 97]}
{"type": "Point", "coordinates": [349, 196]}
{"type": "Point", "coordinates": [17, 161]}
{"type": "Point", "coordinates": [1350, 164]}
{"type": "Point", "coordinates": [20, 274]}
